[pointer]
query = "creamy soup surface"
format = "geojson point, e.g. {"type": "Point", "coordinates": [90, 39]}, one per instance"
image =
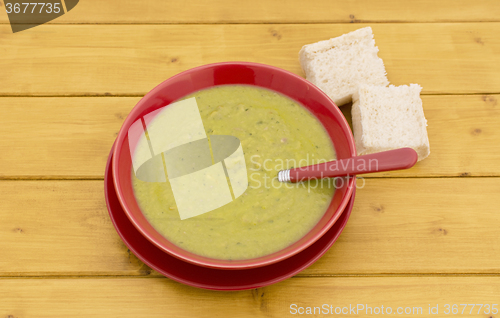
{"type": "Point", "coordinates": [275, 133]}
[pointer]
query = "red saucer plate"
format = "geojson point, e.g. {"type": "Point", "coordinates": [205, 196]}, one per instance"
{"type": "Point", "coordinates": [209, 278]}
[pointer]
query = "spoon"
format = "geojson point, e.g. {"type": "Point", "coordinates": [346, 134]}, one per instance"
{"type": "Point", "coordinates": [397, 159]}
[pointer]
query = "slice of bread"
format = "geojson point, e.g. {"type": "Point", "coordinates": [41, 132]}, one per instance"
{"type": "Point", "coordinates": [385, 118]}
{"type": "Point", "coordinates": [339, 65]}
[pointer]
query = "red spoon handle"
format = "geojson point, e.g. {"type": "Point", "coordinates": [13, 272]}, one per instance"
{"type": "Point", "coordinates": [397, 159]}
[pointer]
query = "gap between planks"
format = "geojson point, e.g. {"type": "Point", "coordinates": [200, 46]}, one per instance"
{"type": "Point", "coordinates": [100, 178]}
{"type": "Point", "coordinates": [268, 23]}
{"type": "Point", "coordinates": [300, 276]}
{"type": "Point", "coordinates": [142, 95]}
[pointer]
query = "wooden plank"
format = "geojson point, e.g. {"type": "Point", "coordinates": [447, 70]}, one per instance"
{"type": "Point", "coordinates": [60, 227]}
{"type": "Point", "coordinates": [47, 137]}
{"type": "Point", "coordinates": [455, 58]}
{"type": "Point", "coordinates": [128, 297]}
{"type": "Point", "coordinates": [419, 226]}
{"type": "Point", "coordinates": [462, 136]}
{"type": "Point", "coordinates": [405, 226]}
{"type": "Point", "coordinates": [54, 137]}
{"type": "Point", "coordinates": [293, 11]}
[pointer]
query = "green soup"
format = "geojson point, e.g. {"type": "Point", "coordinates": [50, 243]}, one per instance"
{"type": "Point", "coordinates": [275, 133]}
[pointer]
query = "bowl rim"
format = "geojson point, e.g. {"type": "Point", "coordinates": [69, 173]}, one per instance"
{"type": "Point", "coordinates": [210, 262]}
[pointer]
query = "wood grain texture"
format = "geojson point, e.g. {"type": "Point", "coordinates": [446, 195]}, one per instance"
{"type": "Point", "coordinates": [293, 11]}
{"type": "Point", "coordinates": [462, 136]}
{"type": "Point", "coordinates": [413, 240]}
{"type": "Point", "coordinates": [70, 137]}
{"type": "Point", "coordinates": [129, 297]}
{"type": "Point", "coordinates": [46, 224]}
{"type": "Point", "coordinates": [54, 137]}
{"type": "Point", "coordinates": [419, 226]}
{"type": "Point", "coordinates": [455, 58]}
{"type": "Point", "coordinates": [402, 226]}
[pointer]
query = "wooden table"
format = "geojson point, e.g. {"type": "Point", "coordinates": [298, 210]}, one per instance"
{"type": "Point", "coordinates": [426, 236]}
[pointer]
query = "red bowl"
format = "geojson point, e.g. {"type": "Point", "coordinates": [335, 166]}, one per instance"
{"type": "Point", "coordinates": [247, 73]}
{"type": "Point", "coordinates": [211, 278]}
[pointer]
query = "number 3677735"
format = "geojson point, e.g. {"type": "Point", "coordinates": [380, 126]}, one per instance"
{"type": "Point", "coordinates": [33, 7]}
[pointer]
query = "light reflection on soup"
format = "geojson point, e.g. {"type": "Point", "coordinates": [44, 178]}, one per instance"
{"type": "Point", "coordinates": [276, 133]}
